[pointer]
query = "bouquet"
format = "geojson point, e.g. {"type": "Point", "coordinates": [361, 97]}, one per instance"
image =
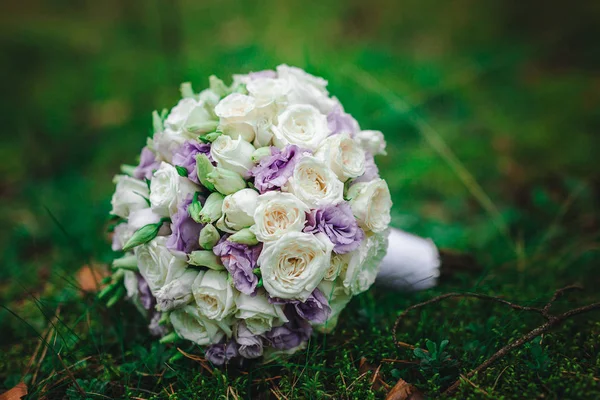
{"type": "Point", "coordinates": [255, 214]}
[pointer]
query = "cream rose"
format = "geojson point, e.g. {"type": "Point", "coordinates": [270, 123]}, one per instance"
{"type": "Point", "coordinates": [238, 210]}
{"type": "Point", "coordinates": [343, 155]}
{"type": "Point", "coordinates": [259, 315]}
{"type": "Point", "coordinates": [278, 213]}
{"type": "Point", "coordinates": [267, 91]}
{"type": "Point", "coordinates": [371, 204]}
{"type": "Point", "coordinates": [233, 154]}
{"type": "Point", "coordinates": [130, 196]}
{"type": "Point", "coordinates": [372, 141]}
{"type": "Point", "coordinates": [191, 325]}
{"type": "Point", "coordinates": [302, 125]}
{"type": "Point", "coordinates": [236, 113]}
{"type": "Point", "coordinates": [191, 117]}
{"type": "Point", "coordinates": [157, 264]}
{"type": "Point", "coordinates": [168, 189]}
{"type": "Point", "coordinates": [293, 266]}
{"type": "Point", "coordinates": [315, 183]}
{"type": "Point", "coordinates": [215, 297]}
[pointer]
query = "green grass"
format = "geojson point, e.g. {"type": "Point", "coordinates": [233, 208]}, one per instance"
{"type": "Point", "coordinates": [490, 112]}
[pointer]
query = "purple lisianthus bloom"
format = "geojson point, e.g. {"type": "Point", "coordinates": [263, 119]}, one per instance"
{"type": "Point", "coordinates": [148, 164]}
{"type": "Point", "coordinates": [220, 354]}
{"type": "Point", "coordinates": [155, 328]}
{"type": "Point", "coordinates": [267, 73]}
{"type": "Point", "coordinates": [339, 121]}
{"type": "Point", "coordinates": [250, 345]}
{"type": "Point", "coordinates": [185, 157]}
{"type": "Point", "coordinates": [184, 230]}
{"type": "Point", "coordinates": [371, 170]}
{"type": "Point", "coordinates": [146, 297]}
{"type": "Point", "coordinates": [240, 260]}
{"type": "Point", "coordinates": [339, 224]}
{"type": "Point", "coordinates": [315, 309]}
{"type": "Point", "coordinates": [273, 171]}
{"type": "Point", "coordinates": [291, 334]}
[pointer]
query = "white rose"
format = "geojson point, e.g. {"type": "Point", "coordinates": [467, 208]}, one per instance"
{"type": "Point", "coordinates": [371, 204]}
{"type": "Point", "coordinates": [191, 117]}
{"type": "Point", "coordinates": [157, 264]}
{"type": "Point", "coordinates": [343, 155]}
{"type": "Point", "coordinates": [233, 154]}
{"type": "Point", "coordinates": [375, 248]}
{"type": "Point", "coordinates": [267, 91]}
{"type": "Point", "coordinates": [338, 261]}
{"type": "Point", "coordinates": [350, 266]}
{"type": "Point", "coordinates": [236, 113]}
{"type": "Point", "coordinates": [177, 293]}
{"type": "Point", "coordinates": [259, 315]}
{"type": "Point", "coordinates": [167, 142]}
{"type": "Point", "coordinates": [305, 88]}
{"type": "Point", "coordinates": [168, 189]}
{"type": "Point", "coordinates": [278, 213]}
{"type": "Point", "coordinates": [130, 281]}
{"type": "Point", "coordinates": [238, 210]}
{"type": "Point", "coordinates": [293, 266]}
{"type": "Point", "coordinates": [372, 141]}
{"type": "Point", "coordinates": [215, 297]}
{"type": "Point", "coordinates": [190, 325]}
{"type": "Point", "coordinates": [315, 183]}
{"type": "Point", "coordinates": [130, 195]}
{"type": "Point", "coordinates": [302, 125]}
{"type": "Point", "coordinates": [338, 298]}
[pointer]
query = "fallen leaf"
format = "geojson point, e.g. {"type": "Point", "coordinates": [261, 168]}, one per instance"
{"type": "Point", "coordinates": [376, 382]}
{"type": "Point", "coordinates": [404, 391]}
{"type": "Point", "coordinates": [15, 393]}
{"type": "Point", "coordinates": [90, 277]}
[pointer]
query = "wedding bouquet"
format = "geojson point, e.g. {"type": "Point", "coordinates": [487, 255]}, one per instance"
{"type": "Point", "coordinates": [255, 214]}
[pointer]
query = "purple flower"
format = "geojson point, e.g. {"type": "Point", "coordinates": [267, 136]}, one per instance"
{"type": "Point", "coordinates": [291, 334]}
{"type": "Point", "coordinates": [186, 157]}
{"type": "Point", "coordinates": [220, 354]}
{"type": "Point", "coordinates": [339, 224]}
{"type": "Point", "coordinates": [315, 309]}
{"type": "Point", "coordinates": [250, 346]}
{"type": "Point", "coordinates": [339, 121]}
{"type": "Point", "coordinates": [184, 230]}
{"type": "Point", "coordinates": [146, 297]}
{"type": "Point", "coordinates": [267, 73]}
{"type": "Point", "coordinates": [273, 171]}
{"type": "Point", "coordinates": [155, 328]}
{"type": "Point", "coordinates": [148, 164]}
{"type": "Point", "coordinates": [371, 170]}
{"type": "Point", "coordinates": [240, 260]}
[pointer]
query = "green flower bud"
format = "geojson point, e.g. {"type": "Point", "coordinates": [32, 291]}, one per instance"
{"type": "Point", "coordinates": [204, 167]}
{"type": "Point", "coordinates": [194, 208]}
{"type": "Point", "coordinates": [186, 90]}
{"type": "Point", "coordinates": [218, 86]}
{"type": "Point", "coordinates": [119, 294]}
{"type": "Point", "coordinates": [209, 236]}
{"type": "Point", "coordinates": [144, 235]}
{"type": "Point", "coordinates": [244, 236]}
{"type": "Point", "coordinates": [205, 258]}
{"type": "Point", "coordinates": [210, 137]}
{"type": "Point", "coordinates": [205, 126]}
{"type": "Point", "coordinates": [212, 209]}
{"type": "Point", "coordinates": [128, 262]}
{"type": "Point", "coordinates": [226, 181]}
{"type": "Point", "coordinates": [260, 153]}
{"type": "Point", "coordinates": [127, 169]}
{"type": "Point", "coordinates": [182, 171]}
{"type": "Point", "coordinates": [170, 338]}
{"type": "Point", "coordinates": [157, 122]}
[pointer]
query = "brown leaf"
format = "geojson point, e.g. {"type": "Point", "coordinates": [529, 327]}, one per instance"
{"type": "Point", "coordinates": [15, 393]}
{"type": "Point", "coordinates": [404, 391]}
{"type": "Point", "coordinates": [90, 277]}
{"type": "Point", "coordinates": [376, 382]}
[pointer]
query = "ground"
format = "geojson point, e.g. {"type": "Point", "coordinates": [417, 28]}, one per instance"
{"type": "Point", "coordinates": [490, 112]}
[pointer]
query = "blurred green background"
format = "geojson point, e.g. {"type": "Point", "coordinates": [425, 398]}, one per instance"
{"type": "Point", "coordinates": [490, 109]}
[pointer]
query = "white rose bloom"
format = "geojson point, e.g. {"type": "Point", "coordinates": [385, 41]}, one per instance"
{"type": "Point", "coordinates": [372, 141]}
{"type": "Point", "coordinates": [293, 266]}
{"type": "Point", "coordinates": [130, 281]}
{"type": "Point", "coordinates": [215, 296]}
{"type": "Point", "coordinates": [375, 248]}
{"type": "Point", "coordinates": [338, 298]}
{"type": "Point", "coordinates": [167, 142]}
{"type": "Point", "coordinates": [278, 213]}
{"type": "Point", "coordinates": [371, 204]}
{"type": "Point", "coordinates": [190, 325]}
{"type": "Point", "coordinates": [168, 189]}
{"type": "Point", "coordinates": [191, 117]}
{"type": "Point", "coordinates": [315, 183]}
{"type": "Point", "coordinates": [305, 88]}
{"type": "Point", "coordinates": [343, 155]}
{"type": "Point", "coordinates": [157, 264]}
{"type": "Point", "coordinates": [233, 154]}
{"type": "Point", "coordinates": [259, 315]}
{"type": "Point", "coordinates": [302, 125]}
{"type": "Point", "coordinates": [238, 210]}
{"type": "Point", "coordinates": [236, 113]}
{"type": "Point", "coordinates": [130, 195]}
{"type": "Point", "coordinates": [350, 266]}
{"type": "Point", "coordinates": [176, 293]}
{"type": "Point", "coordinates": [267, 91]}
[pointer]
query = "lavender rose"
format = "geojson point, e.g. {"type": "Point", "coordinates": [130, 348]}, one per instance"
{"type": "Point", "coordinates": [184, 230]}
{"type": "Point", "coordinates": [240, 260]}
{"type": "Point", "coordinates": [315, 309]}
{"type": "Point", "coordinates": [339, 224]}
{"type": "Point", "coordinates": [148, 164]}
{"type": "Point", "coordinates": [220, 354]}
{"type": "Point", "coordinates": [186, 157]}
{"type": "Point", "coordinates": [273, 171]}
